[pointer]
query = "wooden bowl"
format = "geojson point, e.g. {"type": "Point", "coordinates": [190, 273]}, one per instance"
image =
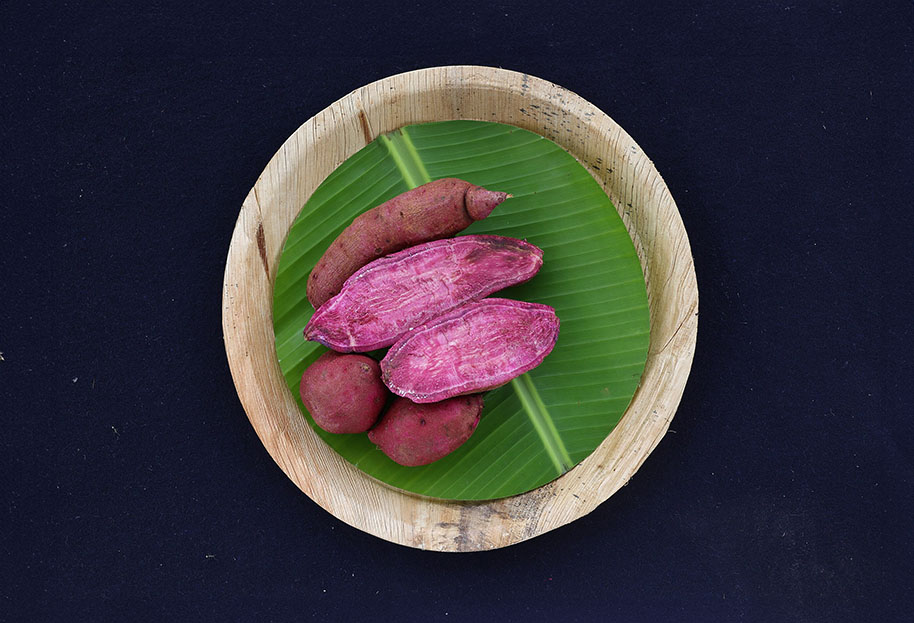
{"type": "Point", "coordinates": [322, 144]}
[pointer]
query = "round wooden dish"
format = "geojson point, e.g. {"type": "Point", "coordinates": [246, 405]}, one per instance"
{"type": "Point", "coordinates": [312, 153]}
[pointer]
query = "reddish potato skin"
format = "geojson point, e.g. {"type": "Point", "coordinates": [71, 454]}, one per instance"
{"type": "Point", "coordinates": [439, 209]}
{"type": "Point", "coordinates": [418, 434]}
{"type": "Point", "coordinates": [343, 393]}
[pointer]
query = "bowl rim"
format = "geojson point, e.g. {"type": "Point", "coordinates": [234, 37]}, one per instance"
{"type": "Point", "coordinates": [300, 165]}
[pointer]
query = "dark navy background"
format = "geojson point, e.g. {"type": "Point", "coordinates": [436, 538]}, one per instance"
{"type": "Point", "coordinates": [133, 486]}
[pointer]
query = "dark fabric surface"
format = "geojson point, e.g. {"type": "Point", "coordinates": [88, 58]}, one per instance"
{"type": "Point", "coordinates": [134, 486]}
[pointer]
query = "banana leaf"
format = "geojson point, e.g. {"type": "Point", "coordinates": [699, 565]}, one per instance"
{"type": "Point", "coordinates": [544, 422]}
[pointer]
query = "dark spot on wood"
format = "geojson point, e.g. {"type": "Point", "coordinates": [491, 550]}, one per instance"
{"type": "Point", "coordinates": [262, 248]}
{"type": "Point", "coordinates": [366, 129]}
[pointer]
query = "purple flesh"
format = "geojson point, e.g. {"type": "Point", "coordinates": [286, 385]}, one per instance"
{"type": "Point", "coordinates": [388, 297]}
{"type": "Point", "coordinates": [474, 348]}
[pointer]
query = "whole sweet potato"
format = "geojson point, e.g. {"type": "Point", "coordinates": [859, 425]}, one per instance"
{"type": "Point", "coordinates": [435, 210]}
{"type": "Point", "coordinates": [343, 393]}
{"type": "Point", "coordinates": [389, 296]}
{"type": "Point", "coordinates": [413, 434]}
{"type": "Point", "coordinates": [476, 347]}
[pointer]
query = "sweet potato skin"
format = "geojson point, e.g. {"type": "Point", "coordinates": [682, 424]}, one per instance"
{"type": "Point", "coordinates": [389, 296]}
{"type": "Point", "coordinates": [343, 393]}
{"type": "Point", "coordinates": [439, 209]}
{"type": "Point", "coordinates": [476, 347]}
{"type": "Point", "coordinates": [412, 434]}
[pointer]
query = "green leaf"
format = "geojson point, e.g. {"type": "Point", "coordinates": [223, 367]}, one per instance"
{"type": "Point", "coordinates": [546, 421]}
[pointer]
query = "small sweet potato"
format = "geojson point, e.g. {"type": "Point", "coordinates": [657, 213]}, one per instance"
{"type": "Point", "coordinates": [343, 393]}
{"type": "Point", "coordinates": [474, 348]}
{"type": "Point", "coordinates": [389, 296]}
{"type": "Point", "coordinates": [412, 434]}
{"type": "Point", "coordinates": [435, 210]}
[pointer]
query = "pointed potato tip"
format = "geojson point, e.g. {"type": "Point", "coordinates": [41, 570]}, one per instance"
{"type": "Point", "coordinates": [309, 332]}
{"type": "Point", "coordinates": [480, 202]}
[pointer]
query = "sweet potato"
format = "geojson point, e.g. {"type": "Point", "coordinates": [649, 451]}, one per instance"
{"type": "Point", "coordinates": [435, 210]}
{"type": "Point", "coordinates": [389, 296]}
{"type": "Point", "coordinates": [412, 434]}
{"type": "Point", "coordinates": [343, 393]}
{"type": "Point", "coordinates": [476, 347]}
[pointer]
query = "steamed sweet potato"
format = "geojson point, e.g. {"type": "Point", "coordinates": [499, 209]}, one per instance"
{"type": "Point", "coordinates": [389, 296]}
{"type": "Point", "coordinates": [343, 393]}
{"type": "Point", "coordinates": [476, 347]}
{"type": "Point", "coordinates": [412, 434]}
{"type": "Point", "coordinates": [435, 210]}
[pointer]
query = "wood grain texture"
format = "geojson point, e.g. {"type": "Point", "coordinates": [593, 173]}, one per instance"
{"type": "Point", "coordinates": [322, 144]}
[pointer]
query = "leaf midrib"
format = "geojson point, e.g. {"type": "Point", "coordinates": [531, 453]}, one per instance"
{"type": "Point", "coordinates": [539, 416]}
{"type": "Point", "coordinates": [406, 157]}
